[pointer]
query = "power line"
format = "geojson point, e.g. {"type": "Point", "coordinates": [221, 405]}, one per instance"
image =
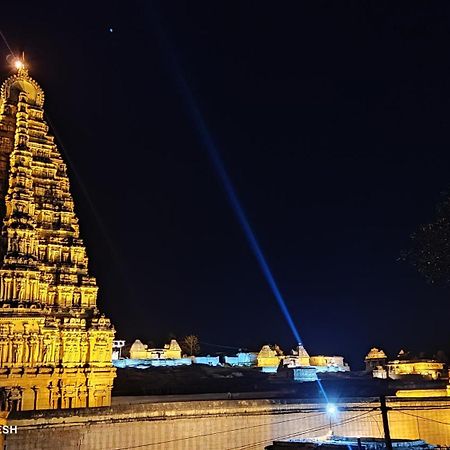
{"type": "Point", "coordinates": [247, 428]}
{"type": "Point", "coordinates": [313, 429]}
{"type": "Point", "coordinates": [424, 418]}
{"type": "Point", "coordinates": [219, 346]}
{"type": "Point", "coordinates": [343, 422]}
{"type": "Point", "coordinates": [422, 408]}
{"type": "Point", "coordinates": [216, 432]}
{"type": "Point", "coordinates": [299, 433]}
{"type": "Point", "coordinates": [379, 429]}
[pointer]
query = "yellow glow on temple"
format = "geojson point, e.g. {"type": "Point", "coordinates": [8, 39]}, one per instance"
{"type": "Point", "coordinates": [55, 346]}
{"type": "Point", "coordinates": [18, 64]}
{"type": "Point", "coordinates": [269, 357]}
{"type": "Point", "coordinates": [141, 351]}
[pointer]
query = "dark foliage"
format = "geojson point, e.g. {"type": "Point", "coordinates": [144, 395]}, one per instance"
{"type": "Point", "coordinates": [430, 250]}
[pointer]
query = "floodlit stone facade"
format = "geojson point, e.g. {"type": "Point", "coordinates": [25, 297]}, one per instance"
{"type": "Point", "coordinates": [172, 350]}
{"type": "Point", "coordinates": [118, 345]}
{"type": "Point", "coordinates": [269, 357]}
{"type": "Point", "coordinates": [55, 346]}
{"type": "Point", "coordinates": [428, 369]}
{"type": "Point", "coordinates": [242, 359]}
{"type": "Point", "coordinates": [138, 350]}
{"type": "Point", "coordinates": [329, 363]}
{"type": "Point", "coordinates": [141, 351]}
{"type": "Point", "coordinates": [375, 358]}
{"type": "Point", "coordinates": [299, 358]}
{"type": "Point", "coordinates": [377, 362]}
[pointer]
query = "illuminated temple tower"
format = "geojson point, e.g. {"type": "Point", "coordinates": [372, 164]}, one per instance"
{"type": "Point", "coordinates": [55, 347]}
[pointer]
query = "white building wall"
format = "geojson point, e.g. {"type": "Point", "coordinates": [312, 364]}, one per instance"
{"type": "Point", "coordinates": [218, 425]}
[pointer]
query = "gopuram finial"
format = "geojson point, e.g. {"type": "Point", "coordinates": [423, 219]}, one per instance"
{"type": "Point", "coordinates": [19, 65]}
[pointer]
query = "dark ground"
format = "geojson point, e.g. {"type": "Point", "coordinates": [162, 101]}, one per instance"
{"type": "Point", "coordinates": [202, 379]}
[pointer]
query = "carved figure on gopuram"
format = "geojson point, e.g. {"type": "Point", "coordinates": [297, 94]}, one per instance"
{"type": "Point", "coordinates": [55, 346]}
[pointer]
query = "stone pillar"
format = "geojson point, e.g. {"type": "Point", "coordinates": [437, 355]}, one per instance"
{"type": "Point", "coordinates": [82, 397]}
{"type": "Point", "coordinates": [9, 345]}
{"type": "Point", "coordinates": [36, 397]}
{"type": "Point", "coordinates": [40, 346]}
{"type": "Point", "coordinates": [28, 399]}
{"type": "Point", "coordinates": [3, 351]}
{"type": "Point", "coordinates": [7, 288]}
{"type": "Point", "coordinates": [33, 349]}
{"type": "Point", "coordinates": [26, 347]}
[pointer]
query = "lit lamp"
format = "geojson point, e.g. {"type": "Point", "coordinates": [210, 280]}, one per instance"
{"type": "Point", "coordinates": [18, 64]}
{"type": "Point", "coordinates": [332, 410]}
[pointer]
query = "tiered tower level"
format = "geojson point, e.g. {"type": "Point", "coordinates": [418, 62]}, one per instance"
{"type": "Point", "coordinates": [55, 347]}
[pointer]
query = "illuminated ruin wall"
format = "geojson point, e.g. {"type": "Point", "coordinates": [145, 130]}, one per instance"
{"type": "Point", "coordinates": [55, 347]}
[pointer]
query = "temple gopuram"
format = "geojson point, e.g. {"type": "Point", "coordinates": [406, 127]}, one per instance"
{"type": "Point", "coordinates": [55, 346]}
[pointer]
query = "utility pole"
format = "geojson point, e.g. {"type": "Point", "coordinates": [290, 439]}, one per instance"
{"type": "Point", "coordinates": [384, 415]}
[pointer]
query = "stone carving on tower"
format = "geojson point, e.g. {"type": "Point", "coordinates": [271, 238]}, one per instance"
{"type": "Point", "coordinates": [55, 346]}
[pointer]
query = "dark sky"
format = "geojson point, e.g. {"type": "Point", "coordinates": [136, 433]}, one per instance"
{"type": "Point", "coordinates": [333, 121]}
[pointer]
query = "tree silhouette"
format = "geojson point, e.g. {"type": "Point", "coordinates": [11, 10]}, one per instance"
{"type": "Point", "coordinates": [190, 345]}
{"type": "Point", "coordinates": [430, 249]}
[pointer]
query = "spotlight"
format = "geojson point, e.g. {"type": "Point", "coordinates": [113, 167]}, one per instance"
{"type": "Point", "coordinates": [332, 409]}
{"type": "Point", "coordinates": [18, 64]}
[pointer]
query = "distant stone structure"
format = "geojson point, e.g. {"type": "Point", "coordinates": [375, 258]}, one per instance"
{"type": "Point", "coordinates": [269, 358]}
{"type": "Point", "coordinates": [243, 359]}
{"type": "Point", "coordinates": [299, 357]}
{"type": "Point", "coordinates": [304, 374]}
{"type": "Point", "coordinates": [169, 356]}
{"type": "Point", "coordinates": [377, 362]}
{"type": "Point", "coordinates": [141, 351]}
{"type": "Point", "coordinates": [302, 355]}
{"type": "Point", "coordinates": [138, 350]}
{"type": "Point", "coordinates": [329, 363]}
{"type": "Point", "coordinates": [146, 363]}
{"type": "Point", "coordinates": [297, 366]}
{"type": "Point", "coordinates": [117, 349]}
{"type": "Point", "coordinates": [375, 358]}
{"type": "Point", "coordinates": [207, 360]}
{"type": "Point", "coordinates": [426, 368]}
{"type": "Point", "coordinates": [172, 350]}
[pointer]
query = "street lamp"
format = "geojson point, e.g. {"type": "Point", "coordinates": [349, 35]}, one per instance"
{"type": "Point", "coordinates": [332, 410]}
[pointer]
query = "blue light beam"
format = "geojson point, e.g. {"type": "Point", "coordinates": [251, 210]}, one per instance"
{"type": "Point", "coordinates": [236, 205]}
{"type": "Point", "coordinates": [219, 167]}
{"type": "Point", "coordinates": [237, 208]}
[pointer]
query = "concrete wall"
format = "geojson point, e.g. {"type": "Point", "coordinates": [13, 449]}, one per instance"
{"type": "Point", "coordinates": [220, 424]}
{"type": "Point", "coordinates": [163, 362]}
{"type": "Point", "coordinates": [145, 363]}
{"type": "Point", "coordinates": [209, 360]}
{"type": "Point", "coordinates": [242, 359]}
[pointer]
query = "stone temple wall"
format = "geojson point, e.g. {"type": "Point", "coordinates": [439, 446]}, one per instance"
{"type": "Point", "coordinates": [221, 424]}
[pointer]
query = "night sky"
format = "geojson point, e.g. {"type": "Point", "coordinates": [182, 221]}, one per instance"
{"type": "Point", "coordinates": [333, 121]}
